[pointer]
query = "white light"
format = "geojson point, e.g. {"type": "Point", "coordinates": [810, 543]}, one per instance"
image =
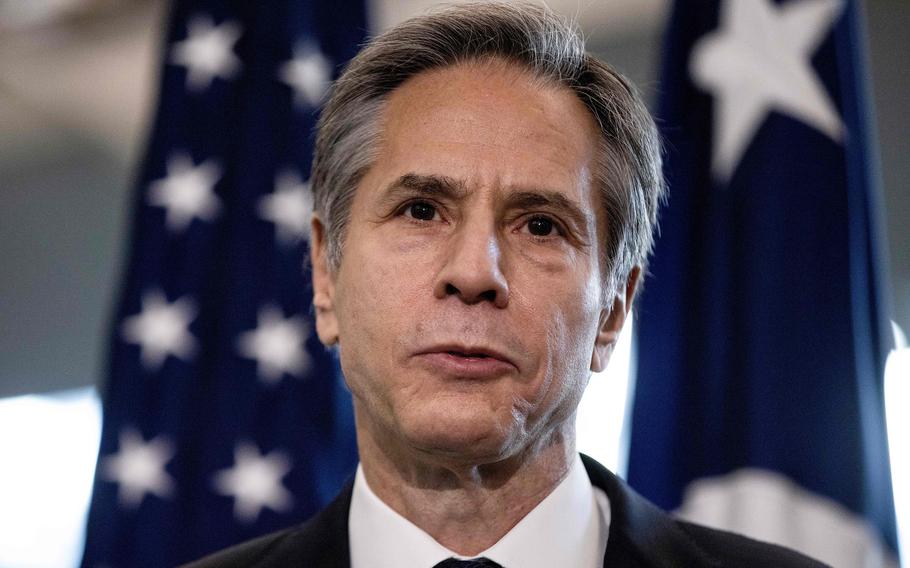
{"type": "Point", "coordinates": [601, 413]}
{"type": "Point", "coordinates": [897, 395]}
{"type": "Point", "coordinates": [48, 446]}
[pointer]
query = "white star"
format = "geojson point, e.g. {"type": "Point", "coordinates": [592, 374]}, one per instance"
{"type": "Point", "coordinates": [276, 344]}
{"type": "Point", "coordinates": [255, 482]}
{"type": "Point", "coordinates": [161, 329]}
{"type": "Point", "coordinates": [138, 467]}
{"type": "Point", "coordinates": [186, 192]}
{"type": "Point", "coordinates": [759, 60]}
{"type": "Point", "coordinates": [207, 52]}
{"type": "Point", "coordinates": [308, 73]}
{"type": "Point", "coordinates": [289, 207]}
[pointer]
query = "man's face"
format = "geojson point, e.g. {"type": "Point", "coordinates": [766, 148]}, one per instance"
{"type": "Point", "coordinates": [467, 305]}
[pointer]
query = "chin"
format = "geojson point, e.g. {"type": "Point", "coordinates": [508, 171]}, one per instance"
{"type": "Point", "coordinates": [463, 434]}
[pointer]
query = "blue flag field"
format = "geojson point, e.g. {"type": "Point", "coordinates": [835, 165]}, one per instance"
{"type": "Point", "coordinates": [762, 333]}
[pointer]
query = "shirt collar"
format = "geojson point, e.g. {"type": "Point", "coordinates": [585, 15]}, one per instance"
{"type": "Point", "coordinates": [381, 538]}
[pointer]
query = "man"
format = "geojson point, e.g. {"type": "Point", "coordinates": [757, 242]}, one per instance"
{"type": "Point", "coordinates": [485, 197]}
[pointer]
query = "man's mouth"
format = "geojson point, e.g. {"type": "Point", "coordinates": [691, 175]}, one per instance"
{"type": "Point", "coordinates": [467, 355]}
{"type": "Point", "coordinates": [467, 361]}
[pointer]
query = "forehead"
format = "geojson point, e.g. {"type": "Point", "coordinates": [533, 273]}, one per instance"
{"type": "Point", "coordinates": [490, 124]}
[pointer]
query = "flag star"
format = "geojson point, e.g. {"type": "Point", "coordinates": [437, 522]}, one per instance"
{"type": "Point", "coordinates": [289, 208]}
{"type": "Point", "coordinates": [138, 468]}
{"type": "Point", "coordinates": [308, 73]}
{"type": "Point", "coordinates": [255, 482]}
{"type": "Point", "coordinates": [186, 192]}
{"type": "Point", "coordinates": [759, 61]}
{"type": "Point", "coordinates": [207, 52]}
{"type": "Point", "coordinates": [276, 344]}
{"type": "Point", "coordinates": [161, 329]}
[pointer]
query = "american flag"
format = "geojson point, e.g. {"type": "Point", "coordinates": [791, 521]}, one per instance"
{"type": "Point", "coordinates": [224, 417]}
{"type": "Point", "coordinates": [763, 330]}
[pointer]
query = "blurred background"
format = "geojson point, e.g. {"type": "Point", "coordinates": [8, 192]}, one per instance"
{"type": "Point", "coordinates": [78, 86]}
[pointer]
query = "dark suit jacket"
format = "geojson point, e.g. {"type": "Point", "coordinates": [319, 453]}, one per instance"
{"type": "Point", "coordinates": [641, 535]}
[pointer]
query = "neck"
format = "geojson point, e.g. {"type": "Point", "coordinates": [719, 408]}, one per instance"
{"type": "Point", "coordinates": [467, 507]}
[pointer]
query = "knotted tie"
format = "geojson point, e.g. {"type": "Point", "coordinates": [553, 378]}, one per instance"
{"type": "Point", "coordinates": [472, 563]}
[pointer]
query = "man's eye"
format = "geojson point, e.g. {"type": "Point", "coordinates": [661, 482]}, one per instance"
{"type": "Point", "coordinates": [421, 210]}
{"type": "Point", "coordinates": [541, 227]}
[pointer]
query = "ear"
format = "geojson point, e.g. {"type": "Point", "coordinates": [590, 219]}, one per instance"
{"type": "Point", "coordinates": [323, 285]}
{"type": "Point", "coordinates": [611, 322]}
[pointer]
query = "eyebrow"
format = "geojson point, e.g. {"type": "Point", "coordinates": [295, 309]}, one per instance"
{"type": "Point", "coordinates": [428, 185]}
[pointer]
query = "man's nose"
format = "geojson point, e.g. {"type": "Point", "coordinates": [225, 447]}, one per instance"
{"type": "Point", "coordinates": [473, 270]}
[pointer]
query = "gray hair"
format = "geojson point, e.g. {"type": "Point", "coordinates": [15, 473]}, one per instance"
{"type": "Point", "coordinates": [628, 174]}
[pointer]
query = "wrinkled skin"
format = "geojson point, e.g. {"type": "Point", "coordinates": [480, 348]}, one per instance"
{"type": "Point", "coordinates": [477, 229]}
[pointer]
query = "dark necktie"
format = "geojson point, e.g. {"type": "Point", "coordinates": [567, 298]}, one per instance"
{"type": "Point", "coordinates": [472, 563]}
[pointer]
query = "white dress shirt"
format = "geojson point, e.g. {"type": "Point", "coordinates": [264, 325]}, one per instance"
{"type": "Point", "coordinates": [568, 528]}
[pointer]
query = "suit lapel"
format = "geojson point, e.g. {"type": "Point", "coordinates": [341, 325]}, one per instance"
{"type": "Point", "coordinates": [322, 541]}
{"type": "Point", "coordinates": [641, 535]}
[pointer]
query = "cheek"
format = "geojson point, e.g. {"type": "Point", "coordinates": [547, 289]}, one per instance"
{"type": "Point", "coordinates": [569, 342]}
{"type": "Point", "coordinates": [569, 336]}
{"type": "Point", "coordinates": [567, 374]}
{"type": "Point", "coordinates": [546, 262]}
{"type": "Point", "coordinates": [377, 297]}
